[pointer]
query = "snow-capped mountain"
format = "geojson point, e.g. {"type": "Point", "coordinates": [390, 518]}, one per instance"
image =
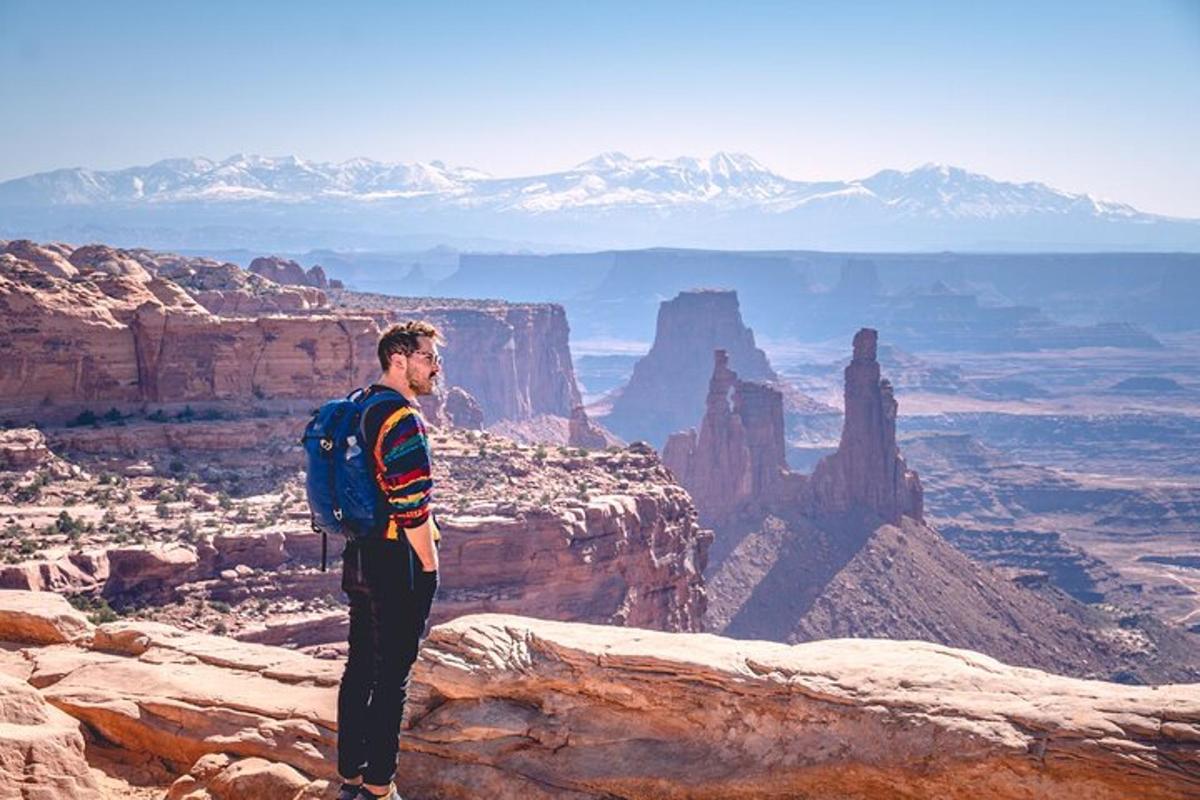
{"type": "Point", "coordinates": [729, 199]}
{"type": "Point", "coordinates": [240, 177]}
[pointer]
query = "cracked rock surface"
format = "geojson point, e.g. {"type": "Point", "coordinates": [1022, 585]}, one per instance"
{"type": "Point", "coordinates": [513, 707]}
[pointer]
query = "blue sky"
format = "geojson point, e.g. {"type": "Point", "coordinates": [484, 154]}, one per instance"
{"type": "Point", "coordinates": [1098, 97]}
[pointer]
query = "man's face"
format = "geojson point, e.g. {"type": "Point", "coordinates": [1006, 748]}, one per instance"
{"type": "Point", "coordinates": [423, 366]}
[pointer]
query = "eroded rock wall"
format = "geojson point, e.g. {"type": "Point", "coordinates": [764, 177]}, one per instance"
{"type": "Point", "coordinates": [94, 328]}
{"type": "Point", "coordinates": [513, 358]}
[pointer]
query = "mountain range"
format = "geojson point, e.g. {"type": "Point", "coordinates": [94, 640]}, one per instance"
{"type": "Point", "coordinates": [612, 200]}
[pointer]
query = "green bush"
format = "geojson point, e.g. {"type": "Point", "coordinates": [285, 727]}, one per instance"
{"type": "Point", "coordinates": [97, 608]}
{"type": "Point", "coordinates": [86, 417]}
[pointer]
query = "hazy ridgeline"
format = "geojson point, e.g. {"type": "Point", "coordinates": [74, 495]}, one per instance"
{"type": "Point", "coordinates": [940, 301]}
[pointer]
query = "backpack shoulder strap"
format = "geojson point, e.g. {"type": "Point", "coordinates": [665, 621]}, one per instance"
{"type": "Point", "coordinates": [372, 400]}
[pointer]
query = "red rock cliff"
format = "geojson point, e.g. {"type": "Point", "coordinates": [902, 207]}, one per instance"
{"type": "Point", "coordinates": [513, 358]}
{"type": "Point", "coordinates": [94, 327]}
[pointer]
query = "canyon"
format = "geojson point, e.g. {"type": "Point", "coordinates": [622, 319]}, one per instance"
{"type": "Point", "coordinates": [846, 551]}
{"type": "Point", "coordinates": [150, 472]}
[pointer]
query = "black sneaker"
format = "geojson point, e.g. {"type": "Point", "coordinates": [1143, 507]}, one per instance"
{"type": "Point", "coordinates": [349, 791]}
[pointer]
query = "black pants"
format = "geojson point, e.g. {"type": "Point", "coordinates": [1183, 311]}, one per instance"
{"type": "Point", "coordinates": [390, 597]}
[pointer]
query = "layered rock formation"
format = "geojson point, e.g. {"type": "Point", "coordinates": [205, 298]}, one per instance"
{"type": "Point", "coordinates": [41, 748]}
{"type": "Point", "coordinates": [23, 449]}
{"type": "Point", "coordinates": [663, 395]}
{"type": "Point", "coordinates": [222, 288]}
{"type": "Point", "coordinates": [735, 466]}
{"type": "Point", "coordinates": [288, 273]}
{"type": "Point", "coordinates": [736, 462]}
{"type": "Point", "coordinates": [596, 536]}
{"type": "Point", "coordinates": [510, 707]}
{"type": "Point", "coordinates": [116, 340]}
{"type": "Point", "coordinates": [513, 358]}
{"type": "Point", "coordinates": [462, 409]}
{"type": "Point", "coordinates": [94, 328]}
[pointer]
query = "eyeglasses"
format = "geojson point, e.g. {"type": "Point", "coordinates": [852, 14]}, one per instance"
{"type": "Point", "coordinates": [430, 356]}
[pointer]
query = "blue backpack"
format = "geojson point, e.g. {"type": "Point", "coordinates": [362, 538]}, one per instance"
{"type": "Point", "coordinates": [342, 493]}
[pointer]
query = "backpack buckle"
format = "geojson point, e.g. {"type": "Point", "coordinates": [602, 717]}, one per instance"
{"type": "Point", "coordinates": [327, 444]}
{"type": "Point", "coordinates": [337, 514]}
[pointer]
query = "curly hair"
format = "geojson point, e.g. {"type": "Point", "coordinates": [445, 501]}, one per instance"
{"type": "Point", "coordinates": [402, 338]}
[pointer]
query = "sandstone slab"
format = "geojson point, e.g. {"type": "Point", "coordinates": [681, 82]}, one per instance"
{"type": "Point", "coordinates": [216, 776]}
{"type": "Point", "coordinates": [180, 712]}
{"type": "Point", "coordinates": [136, 639]}
{"type": "Point", "coordinates": [40, 618]}
{"type": "Point", "coordinates": [597, 712]}
{"type": "Point", "coordinates": [41, 748]}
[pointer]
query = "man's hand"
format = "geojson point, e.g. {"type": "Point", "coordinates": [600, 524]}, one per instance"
{"type": "Point", "coordinates": [421, 539]}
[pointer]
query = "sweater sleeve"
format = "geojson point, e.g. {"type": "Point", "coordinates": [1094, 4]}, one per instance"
{"type": "Point", "coordinates": [403, 467]}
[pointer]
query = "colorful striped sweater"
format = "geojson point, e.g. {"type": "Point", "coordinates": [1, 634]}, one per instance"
{"type": "Point", "coordinates": [401, 460]}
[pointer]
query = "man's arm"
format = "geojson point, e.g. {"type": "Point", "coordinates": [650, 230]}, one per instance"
{"type": "Point", "coordinates": [421, 538]}
{"type": "Point", "coordinates": [402, 457]}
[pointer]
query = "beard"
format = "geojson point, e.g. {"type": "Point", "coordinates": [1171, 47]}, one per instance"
{"type": "Point", "coordinates": [421, 386]}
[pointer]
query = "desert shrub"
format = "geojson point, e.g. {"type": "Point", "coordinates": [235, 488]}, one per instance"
{"type": "Point", "coordinates": [85, 417]}
{"type": "Point", "coordinates": [67, 525]}
{"type": "Point", "coordinates": [189, 532]}
{"type": "Point", "coordinates": [97, 608]}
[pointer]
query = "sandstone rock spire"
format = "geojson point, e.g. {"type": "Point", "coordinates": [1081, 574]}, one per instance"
{"type": "Point", "coordinates": [737, 458]}
{"type": "Point", "coordinates": [867, 470]}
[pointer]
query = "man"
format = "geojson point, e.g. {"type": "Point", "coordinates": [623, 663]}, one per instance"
{"type": "Point", "coordinates": [390, 578]}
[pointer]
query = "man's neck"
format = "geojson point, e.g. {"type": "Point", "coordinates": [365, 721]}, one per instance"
{"type": "Point", "coordinates": [400, 385]}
